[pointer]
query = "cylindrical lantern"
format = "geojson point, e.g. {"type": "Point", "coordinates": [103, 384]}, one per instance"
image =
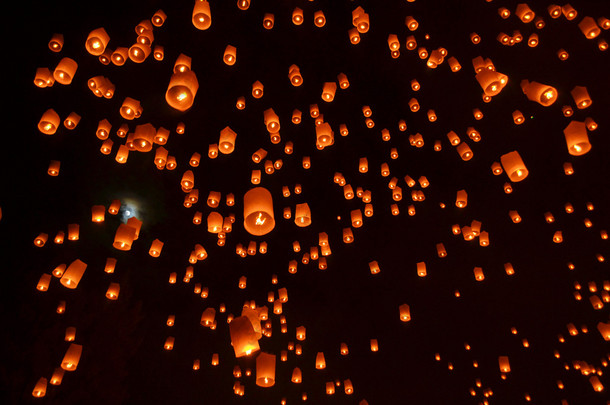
{"type": "Point", "coordinates": [49, 122]}
{"type": "Point", "coordinates": [65, 70]}
{"type": "Point", "coordinates": [182, 89]}
{"type": "Point", "coordinates": [265, 370]}
{"type": "Point", "coordinates": [258, 211]}
{"type": "Point", "coordinates": [226, 143]}
{"type": "Point", "coordinates": [513, 166]}
{"type": "Point", "coordinates": [230, 55]}
{"type": "Point", "coordinates": [73, 274]}
{"type": "Point", "coordinates": [202, 17]}
{"type": "Point", "coordinates": [541, 93]}
{"type": "Point", "coordinates": [97, 40]}
{"type": "Point", "coordinates": [72, 357]}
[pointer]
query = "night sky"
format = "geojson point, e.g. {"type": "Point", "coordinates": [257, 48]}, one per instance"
{"type": "Point", "coordinates": [542, 316]}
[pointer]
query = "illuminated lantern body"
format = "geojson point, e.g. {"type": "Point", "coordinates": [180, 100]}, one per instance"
{"type": "Point", "coordinates": [65, 70]}
{"type": "Point", "coordinates": [320, 361]}
{"type": "Point", "coordinates": [130, 109]}
{"type": "Point", "coordinates": [491, 81]}
{"type": "Point", "coordinates": [589, 27]}
{"type": "Point", "coordinates": [155, 248]}
{"type": "Point", "coordinates": [56, 42]}
{"type": "Point", "coordinates": [72, 357]}
{"type": "Point", "coordinates": [230, 55]}
{"type": "Point", "coordinates": [113, 291]}
{"type": "Point", "coordinates": [297, 16]}
{"type": "Point", "coordinates": [202, 17]}
{"type": "Point", "coordinates": [297, 377]}
{"type": "Point", "coordinates": [541, 93]}
{"type": "Point", "coordinates": [40, 389]}
{"type": "Point", "coordinates": [124, 237]}
{"type": "Point", "coordinates": [504, 364]}
{"type": "Point", "coordinates": [405, 312]}
{"type": "Point", "coordinates": [43, 282]}
{"type": "Point", "coordinates": [513, 166]}
{"type": "Point", "coordinates": [577, 139]}
{"type": "Point", "coordinates": [328, 91]}
{"type": "Point", "coordinates": [182, 89]}
{"type": "Point", "coordinates": [257, 89]}
{"type": "Point", "coordinates": [226, 143]}
{"type": "Point", "coordinates": [265, 370]}
{"type": "Point", "coordinates": [461, 199]}
{"type": "Point", "coordinates": [49, 122]}
{"type": "Point", "coordinates": [97, 40]}
{"type": "Point", "coordinates": [302, 217]}
{"type": "Point", "coordinates": [258, 211]}
{"type": "Point", "coordinates": [243, 336]}
{"type": "Point", "coordinates": [73, 274]}
{"type": "Point", "coordinates": [57, 376]}
{"type": "Point", "coordinates": [581, 97]}
{"type": "Point", "coordinates": [464, 151]}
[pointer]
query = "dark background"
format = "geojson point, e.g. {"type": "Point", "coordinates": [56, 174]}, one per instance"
{"type": "Point", "coordinates": [123, 359]}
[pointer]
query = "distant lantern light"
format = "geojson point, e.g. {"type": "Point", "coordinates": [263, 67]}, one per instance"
{"type": "Point", "coordinates": [513, 166]}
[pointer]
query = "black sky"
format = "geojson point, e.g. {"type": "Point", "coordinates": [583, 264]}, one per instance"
{"type": "Point", "coordinates": [123, 359]}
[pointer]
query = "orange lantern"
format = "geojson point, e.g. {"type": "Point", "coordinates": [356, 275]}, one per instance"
{"type": "Point", "coordinates": [73, 274]}
{"type": "Point", "coordinates": [265, 370]}
{"type": "Point", "coordinates": [65, 70]}
{"type": "Point", "coordinates": [182, 90]}
{"type": "Point", "coordinates": [543, 94]}
{"type": "Point", "coordinates": [72, 357]}
{"type": "Point", "coordinates": [513, 166]}
{"type": "Point", "coordinates": [202, 17]}
{"type": "Point", "coordinates": [577, 139]}
{"type": "Point", "coordinates": [56, 42]}
{"type": "Point", "coordinates": [97, 40]}
{"type": "Point", "coordinates": [258, 211]}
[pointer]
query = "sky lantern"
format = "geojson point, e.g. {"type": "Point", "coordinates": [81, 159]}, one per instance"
{"type": "Point", "coordinates": [513, 166]}
{"type": "Point", "coordinates": [226, 143]}
{"type": "Point", "coordinates": [576, 138]}
{"type": "Point", "coordinates": [182, 90]}
{"type": "Point", "coordinates": [405, 312]}
{"type": "Point", "coordinates": [265, 370]}
{"type": "Point", "coordinates": [72, 357]}
{"type": "Point", "coordinates": [243, 336]}
{"type": "Point", "coordinates": [319, 19]}
{"type": "Point", "coordinates": [56, 42]}
{"type": "Point", "coordinates": [581, 97]}
{"type": "Point", "coordinates": [258, 211]}
{"type": "Point", "coordinates": [43, 282]}
{"type": "Point", "coordinates": [49, 122]}
{"type": "Point", "coordinates": [491, 82]}
{"type": "Point", "coordinates": [97, 40]}
{"type": "Point", "coordinates": [65, 70]}
{"type": "Point", "coordinates": [202, 17]}
{"type": "Point", "coordinates": [297, 376]}
{"type": "Point", "coordinates": [230, 55]}
{"type": "Point", "coordinates": [73, 274]}
{"type": "Point", "coordinates": [297, 16]}
{"type": "Point", "coordinates": [113, 291]}
{"type": "Point", "coordinates": [543, 94]}
{"type": "Point", "coordinates": [40, 389]}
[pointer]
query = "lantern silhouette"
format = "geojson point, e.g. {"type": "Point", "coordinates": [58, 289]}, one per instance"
{"type": "Point", "coordinates": [297, 16]}
{"type": "Point", "coordinates": [581, 97]}
{"type": "Point", "coordinates": [72, 357]}
{"type": "Point", "coordinates": [576, 138]}
{"type": "Point", "coordinates": [182, 90]}
{"type": "Point", "coordinates": [73, 274]}
{"type": "Point", "coordinates": [328, 91]}
{"type": "Point", "coordinates": [268, 21]}
{"type": "Point", "coordinates": [258, 211]}
{"type": "Point", "coordinates": [504, 364]}
{"type": "Point", "coordinates": [464, 151]}
{"type": "Point", "coordinates": [265, 370]}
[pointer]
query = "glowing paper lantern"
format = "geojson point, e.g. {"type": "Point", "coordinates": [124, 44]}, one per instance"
{"type": "Point", "coordinates": [182, 89]}
{"type": "Point", "coordinates": [265, 370]}
{"type": "Point", "coordinates": [72, 357]}
{"type": "Point", "coordinates": [73, 274]}
{"type": "Point", "coordinates": [577, 139]}
{"type": "Point", "coordinates": [65, 70]}
{"type": "Point", "coordinates": [543, 94]}
{"type": "Point", "coordinates": [513, 166]}
{"type": "Point", "coordinates": [258, 211]}
{"type": "Point", "coordinates": [202, 17]}
{"type": "Point", "coordinates": [243, 336]}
